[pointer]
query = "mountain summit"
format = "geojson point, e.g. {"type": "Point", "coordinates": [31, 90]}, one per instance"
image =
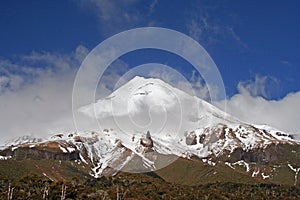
{"type": "Point", "coordinates": [151, 104]}
{"type": "Point", "coordinates": [149, 125]}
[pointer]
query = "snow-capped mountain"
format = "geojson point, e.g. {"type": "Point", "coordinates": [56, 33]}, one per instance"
{"type": "Point", "coordinates": [151, 104]}
{"type": "Point", "coordinates": [25, 139]}
{"type": "Point", "coordinates": [147, 124]}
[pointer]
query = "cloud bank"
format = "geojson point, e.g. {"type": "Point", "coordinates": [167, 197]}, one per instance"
{"type": "Point", "coordinates": [251, 105]}
{"type": "Point", "coordinates": [35, 93]}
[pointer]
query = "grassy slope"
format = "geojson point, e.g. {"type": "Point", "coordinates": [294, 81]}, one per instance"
{"type": "Point", "coordinates": [55, 170]}
{"type": "Point", "coordinates": [193, 172]}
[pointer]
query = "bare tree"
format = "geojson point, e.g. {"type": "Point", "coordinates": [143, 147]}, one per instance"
{"type": "Point", "coordinates": [10, 192]}
{"type": "Point", "coordinates": [46, 192]}
{"type": "Point", "coordinates": [121, 195]}
{"type": "Point", "coordinates": [63, 192]}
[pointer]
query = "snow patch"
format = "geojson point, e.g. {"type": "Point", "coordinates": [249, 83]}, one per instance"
{"type": "Point", "coordinates": [63, 149]}
{"type": "Point", "coordinates": [14, 148]}
{"type": "Point", "coordinates": [48, 177]}
{"type": "Point", "coordinates": [71, 149]}
{"type": "Point", "coordinates": [241, 163]}
{"type": "Point", "coordinates": [265, 176]}
{"type": "Point", "coordinates": [229, 165]}
{"type": "Point", "coordinates": [255, 172]}
{"type": "Point", "coordinates": [4, 157]}
{"type": "Point", "coordinates": [296, 170]}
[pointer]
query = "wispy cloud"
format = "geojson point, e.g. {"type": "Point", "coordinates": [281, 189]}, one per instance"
{"type": "Point", "coordinates": [230, 31]}
{"type": "Point", "coordinates": [152, 7]}
{"type": "Point", "coordinates": [119, 15]}
{"type": "Point", "coordinates": [286, 63]}
{"type": "Point", "coordinates": [260, 86]}
{"type": "Point", "coordinates": [202, 25]}
{"type": "Point", "coordinates": [17, 74]}
{"type": "Point", "coordinates": [195, 30]}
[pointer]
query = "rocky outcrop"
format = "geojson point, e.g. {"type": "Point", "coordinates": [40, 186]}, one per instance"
{"type": "Point", "coordinates": [272, 154]}
{"type": "Point", "coordinates": [147, 141]}
{"type": "Point", "coordinates": [23, 153]}
{"type": "Point", "coordinates": [6, 153]}
{"type": "Point", "coordinates": [191, 138]}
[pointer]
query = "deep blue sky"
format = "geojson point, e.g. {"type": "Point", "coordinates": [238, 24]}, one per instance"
{"type": "Point", "coordinates": [245, 38]}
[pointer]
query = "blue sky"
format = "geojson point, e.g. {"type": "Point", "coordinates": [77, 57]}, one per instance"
{"type": "Point", "coordinates": [244, 39]}
{"type": "Point", "coordinates": [255, 45]}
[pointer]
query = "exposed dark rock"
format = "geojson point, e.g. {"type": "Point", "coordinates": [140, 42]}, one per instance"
{"type": "Point", "coordinates": [6, 152]}
{"type": "Point", "coordinates": [191, 138]}
{"type": "Point", "coordinates": [147, 142]}
{"type": "Point", "coordinates": [59, 135]}
{"type": "Point", "coordinates": [202, 138]}
{"type": "Point", "coordinates": [105, 130]}
{"type": "Point", "coordinates": [148, 136]}
{"type": "Point", "coordinates": [271, 154]}
{"type": "Point", "coordinates": [222, 133]}
{"type": "Point", "coordinates": [77, 139]}
{"type": "Point", "coordinates": [119, 143]}
{"type": "Point", "coordinates": [23, 153]}
{"type": "Point", "coordinates": [283, 134]}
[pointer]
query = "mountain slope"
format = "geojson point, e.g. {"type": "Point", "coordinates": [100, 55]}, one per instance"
{"type": "Point", "coordinates": [147, 125]}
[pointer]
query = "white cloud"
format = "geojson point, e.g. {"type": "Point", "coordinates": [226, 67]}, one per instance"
{"type": "Point", "coordinates": [251, 106]}
{"type": "Point", "coordinates": [4, 82]}
{"type": "Point", "coordinates": [35, 93]}
{"type": "Point", "coordinates": [111, 77]}
{"type": "Point", "coordinates": [260, 86]}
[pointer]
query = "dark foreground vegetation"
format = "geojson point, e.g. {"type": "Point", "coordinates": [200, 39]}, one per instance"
{"type": "Point", "coordinates": [137, 186]}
